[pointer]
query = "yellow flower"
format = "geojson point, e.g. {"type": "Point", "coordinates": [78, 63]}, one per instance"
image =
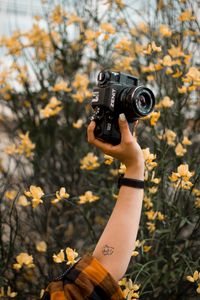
{"type": "Point", "coordinates": [186, 16]}
{"type": "Point", "coordinates": [154, 118]}
{"type": "Point", "coordinates": [153, 190]}
{"type": "Point", "coordinates": [73, 18]}
{"type": "Point", "coordinates": [187, 59]}
{"type": "Point", "coordinates": [156, 180]}
{"type": "Point", "coordinates": [197, 203]}
{"type": "Point", "coordinates": [71, 256]}
{"type": "Point", "coordinates": [186, 185]}
{"type": "Point", "coordinates": [61, 86]}
{"type": "Point", "coordinates": [142, 26]}
{"type": "Point", "coordinates": [81, 81]}
{"type": "Point", "coordinates": [11, 149]}
{"type": "Point", "coordinates": [175, 51]}
{"type": "Point", "coordinates": [193, 75]}
{"type": "Point", "coordinates": [91, 35]}
{"type": "Point", "coordinates": [152, 47]}
{"type": "Point", "coordinates": [165, 31]}
{"type": "Point", "coordinates": [89, 162]}
{"type": "Point", "coordinates": [42, 293]}
{"type": "Point", "coordinates": [41, 246]}
{"type": "Point", "coordinates": [23, 201]}
{"type": "Point", "coordinates": [147, 202]}
{"type": "Point", "coordinates": [165, 103]}
{"type": "Point", "coordinates": [108, 28]}
{"type": "Point", "coordinates": [186, 141]}
{"type": "Point", "coordinates": [180, 151]}
{"type": "Point", "coordinates": [135, 253]}
{"type": "Point", "coordinates": [147, 248]}
{"type": "Point", "coordinates": [196, 192]}
{"type": "Point", "coordinates": [11, 294]}
{"type": "Point", "coordinates": [11, 194]}
{"type": "Point", "coordinates": [78, 124]}
{"type": "Point", "coordinates": [148, 50]}
{"type": "Point", "coordinates": [35, 193]}
{"type": "Point", "coordinates": [150, 78]}
{"type": "Point", "coordinates": [198, 288]}
{"type": "Point", "coordinates": [122, 281]}
{"type": "Point", "coordinates": [194, 277]}
{"type": "Point", "coordinates": [182, 177]}
{"type": "Point", "coordinates": [120, 3]}
{"type": "Point", "coordinates": [170, 137]}
{"type": "Point", "coordinates": [60, 195]}
{"type": "Point", "coordinates": [151, 215]}
{"type": "Point", "coordinates": [131, 289]}
{"type": "Point", "coordinates": [177, 74]}
{"type": "Point", "coordinates": [160, 216]}
{"type": "Point", "coordinates": [150, 68]}
{"type": "Point", "coordinates": [2, 293]}
{"type": "Point", "coordinates": [23, 259]}
{"type": "Point", "coordinates": [167, 61]}
{"type": "Point", "coordinates": [183, 171]}
{"type": "Point", "coordinates": [125, 63]}
{"type": "Point", "coordinates": [122, 168]}
{"type": "Point", "coordinates": [124, 45]}
{"type": "Point", "coordinates": [114, 172]}
{"type": "Point", "coordinates": [151, 227]}
{"type": "Point", "coordinates": [182, 90]}
{"type": "Point", "coordinates": [57, 15]}
{"type": "Point", "coordinates": [8, 294]}
{"type": "Point", "coordinates": [149, 157]}
{"type": "Point", "coordinates": [51, 109]}
{"type": "Point", "coordinates": [108, 160]}
{"type": "Point", "coordinates": [80, 85]}
{"type": "Point", "coordinates": [78, 97]}
{"type": "Point", "coordinates": [60, 257]}
{"type": "Point", "coordinates": [192, 87]}
{"type": "Point", "coordinates": [87, 197]}
{"type": "Point", "coordinates": [26, 146]}
{"type": "Point", "coordinates": [169, 71]}
{"type": "Point", "coordinates": [139, 243]}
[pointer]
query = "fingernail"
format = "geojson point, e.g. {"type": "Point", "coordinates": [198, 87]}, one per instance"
{"type": "Point", "coordinates": [122, 117]}
{"type": "Point", "coordinates": [92, 124]}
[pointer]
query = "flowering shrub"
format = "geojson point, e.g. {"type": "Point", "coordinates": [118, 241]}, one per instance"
{"type": "Point", "coordinates": [57, 192]}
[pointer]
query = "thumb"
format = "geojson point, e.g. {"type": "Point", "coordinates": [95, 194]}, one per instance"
{"type": "Point", "coordinates": [124, 129]}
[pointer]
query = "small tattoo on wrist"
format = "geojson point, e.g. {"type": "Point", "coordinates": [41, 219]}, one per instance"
{"type": "Point", "coordinates": [107, 250]}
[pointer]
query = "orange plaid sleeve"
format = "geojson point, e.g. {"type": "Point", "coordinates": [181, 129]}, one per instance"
{"type": "Point", "coordinates": [87, 279]}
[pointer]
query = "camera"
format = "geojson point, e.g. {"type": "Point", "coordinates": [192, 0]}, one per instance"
{"type": "Point", "coordinates": [117, 93]}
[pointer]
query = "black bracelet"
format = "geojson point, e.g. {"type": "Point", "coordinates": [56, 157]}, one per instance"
{"type": "Point", "coordinates": [135, 183]}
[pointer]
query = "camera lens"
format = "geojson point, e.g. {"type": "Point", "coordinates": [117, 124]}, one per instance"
{"type": "Point", "coordinates": [137, 102]}
{"type": "Point", "coordinates": [143, 102]}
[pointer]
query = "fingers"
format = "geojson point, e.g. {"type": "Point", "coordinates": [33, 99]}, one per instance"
{"type": "Point", "coordinates": [105, 147]}
{"type": "Point", "coordinates": [126, 136]}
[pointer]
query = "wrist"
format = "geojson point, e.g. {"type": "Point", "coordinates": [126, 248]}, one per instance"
{"type": "Point", "coordinates": [135, 171]}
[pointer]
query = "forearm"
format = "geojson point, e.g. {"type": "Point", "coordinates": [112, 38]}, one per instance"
{"type": "Point", "coordinates": [116, 243]}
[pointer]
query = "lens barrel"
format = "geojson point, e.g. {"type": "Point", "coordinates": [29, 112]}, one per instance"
{"type": "Point", "coordinates": [137, 102]}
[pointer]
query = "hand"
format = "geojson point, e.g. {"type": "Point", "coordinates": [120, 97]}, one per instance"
{"type": "Point", "coordinates": [128, 151]}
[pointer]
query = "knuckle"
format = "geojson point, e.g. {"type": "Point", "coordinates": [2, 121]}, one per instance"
{"type": "Point", "coordinates": [128, 142]}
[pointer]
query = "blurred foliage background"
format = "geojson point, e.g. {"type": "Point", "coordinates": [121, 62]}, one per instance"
{"type": "Point", "coordinates": [57, 192]}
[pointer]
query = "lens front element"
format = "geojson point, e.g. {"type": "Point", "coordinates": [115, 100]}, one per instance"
{"type": "Point", "coordinates": [137, 102]}
{"type": "Point", "coordinates": [144, 102]}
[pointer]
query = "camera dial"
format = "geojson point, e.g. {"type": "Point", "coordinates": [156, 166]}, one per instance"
{"type": "Point", "coordinates": [103, 77]}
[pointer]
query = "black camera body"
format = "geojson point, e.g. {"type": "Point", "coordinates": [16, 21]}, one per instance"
{"type": "Point", "coordinates": [114, 94]}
